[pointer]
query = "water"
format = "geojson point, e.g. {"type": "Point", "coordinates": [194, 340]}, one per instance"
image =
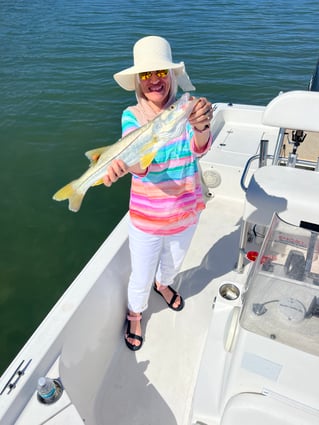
{"type": "Point", "coordinates": [58, 99]}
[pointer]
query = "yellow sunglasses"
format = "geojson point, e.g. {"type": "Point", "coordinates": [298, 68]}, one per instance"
{"type": "Point", "coordinates": [161, 73]}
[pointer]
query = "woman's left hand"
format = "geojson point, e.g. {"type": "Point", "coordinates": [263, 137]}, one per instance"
{"type": "Point", "coordinates": [116, 170]}
{"type": "Point", "coordinates": [202, 114]}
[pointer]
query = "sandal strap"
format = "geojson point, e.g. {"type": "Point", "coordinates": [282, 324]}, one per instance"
{"type": "Point", "coordinates": [134, 318]}
{"type": "Point", "coordinates": [162, 287]}
{"type": "Point", "coordinates": [133, 336]}
{"type": "Point", "coordinates": [174, 298]}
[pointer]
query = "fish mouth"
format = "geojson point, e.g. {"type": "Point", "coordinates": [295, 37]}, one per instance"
{"type": "Point", "coordinates": [189, 105]}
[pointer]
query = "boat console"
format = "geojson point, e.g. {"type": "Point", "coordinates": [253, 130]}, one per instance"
{"type": "Point", "coordinates": [261, 356]}
{"type": "Point", "coordinates": [286, 188]}
{"type": "Point", "coordinates": [282, 297]}
{"type": "Point", "coordinates": [260, 362]}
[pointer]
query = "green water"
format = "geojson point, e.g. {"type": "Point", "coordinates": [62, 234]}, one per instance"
{"type": "Point", "coordinates": [58, 99]}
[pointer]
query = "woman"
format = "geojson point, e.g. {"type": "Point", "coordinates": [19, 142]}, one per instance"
{"type": "Point", "coordinates": [166, 198]}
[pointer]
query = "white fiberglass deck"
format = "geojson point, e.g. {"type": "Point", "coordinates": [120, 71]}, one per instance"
{"type": "Point", "coordinates": [155, 385]}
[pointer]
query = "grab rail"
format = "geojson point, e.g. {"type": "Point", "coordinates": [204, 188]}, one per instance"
{"type": "Point", "coordinates": [263, 157]}
{"type": "Point", "coordinates": [283, 161]}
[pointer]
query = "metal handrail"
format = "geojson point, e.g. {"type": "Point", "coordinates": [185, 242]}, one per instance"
{"type": "Point", "coordinates": [276, 159]}
{"type": "Point", "coordinates": [243, 177]}
{"type": "Point", "coordinates": [282, 160]}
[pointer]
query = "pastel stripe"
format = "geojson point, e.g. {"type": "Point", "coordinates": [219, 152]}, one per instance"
{"type": "Point", "coordinates": [169, 198]}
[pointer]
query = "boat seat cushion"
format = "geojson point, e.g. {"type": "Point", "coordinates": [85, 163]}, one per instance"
{"type": "Point", "coordinates": [290, 192]}
{"type": "Point", "coordinates": [252, 409]}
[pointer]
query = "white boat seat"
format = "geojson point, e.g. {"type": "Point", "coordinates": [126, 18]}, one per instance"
{"type": "Point", "coordinates": [284, 190]}
{"type": "Point", "coordinates": [252, 409]}
{"type": "Point", "coordinates": [296, 110]}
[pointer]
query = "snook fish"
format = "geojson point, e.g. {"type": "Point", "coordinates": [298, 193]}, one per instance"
{"type": "Point", "coordinates": [139, 146]}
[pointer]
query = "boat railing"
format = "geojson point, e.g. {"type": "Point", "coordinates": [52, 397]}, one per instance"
{"type": "Point", "coordinates": [290, 162]}
{"type": "Point", "coordinates": [263, 157]}
{"type": "Point", "coordinates": [276, 159]}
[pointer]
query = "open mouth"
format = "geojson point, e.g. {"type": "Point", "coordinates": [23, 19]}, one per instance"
{"type": "Point", "coordinates": [156, 88]}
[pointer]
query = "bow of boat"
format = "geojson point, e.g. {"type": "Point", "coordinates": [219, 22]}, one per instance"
{"type": "Point", "coordinates": [200, 365]}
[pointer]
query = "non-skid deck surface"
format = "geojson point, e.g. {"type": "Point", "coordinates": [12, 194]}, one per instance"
{"type": "Point", "coordinates": [154, 386]}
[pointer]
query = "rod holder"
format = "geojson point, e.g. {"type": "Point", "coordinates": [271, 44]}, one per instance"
{"type": "Point", "coordinates": [263, 153]}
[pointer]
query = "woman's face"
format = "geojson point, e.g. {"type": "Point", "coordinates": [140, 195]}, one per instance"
{"type": "Point", "coordinates": [155, 86]}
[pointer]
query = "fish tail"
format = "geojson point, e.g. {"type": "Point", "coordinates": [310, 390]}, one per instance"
{"type": "Point", "coordinates": [69, 192]}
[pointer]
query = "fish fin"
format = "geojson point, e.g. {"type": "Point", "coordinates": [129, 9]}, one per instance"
{"type": "Point", "coordinates": [94, 154]}
{"type": "Point", "coordinates": [69, 192]}
{"type": "Point", "coordinates": [98, 182]}
{"type": "Point", "coordinates": [64, 193]}
{"type": "Point", "coordinates": [150, 144]}
{"type": "Point", "coordinates": [146, 160]}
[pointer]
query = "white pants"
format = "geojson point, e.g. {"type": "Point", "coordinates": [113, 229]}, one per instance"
{"type": "Point", "coordinates": [154, 257]}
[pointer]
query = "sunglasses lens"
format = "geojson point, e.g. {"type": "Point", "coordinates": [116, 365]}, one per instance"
{"type": "Point", "coordinates": [162, 73]}
{"type": "Point", "coordinates": [146, 75]}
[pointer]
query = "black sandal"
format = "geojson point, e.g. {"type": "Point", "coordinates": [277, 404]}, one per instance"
{"type": "Point", "coordinates": [128, 334]}
{"type": "Point", "coordinates": [174, 298]}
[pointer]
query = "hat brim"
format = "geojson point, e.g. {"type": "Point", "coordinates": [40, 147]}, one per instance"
{"type": "Point", "coordinates": [126, 78]}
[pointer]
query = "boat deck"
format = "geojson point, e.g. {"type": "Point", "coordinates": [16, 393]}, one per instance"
{"type": "Point", "coordinates": [156, 384]}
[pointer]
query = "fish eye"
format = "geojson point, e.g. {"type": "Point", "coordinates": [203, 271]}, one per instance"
{"type": "Point", "coordinates": [172, 107]}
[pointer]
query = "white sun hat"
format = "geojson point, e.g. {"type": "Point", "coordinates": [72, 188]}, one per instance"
{"type": "Point", "coordinates": [152, 53]}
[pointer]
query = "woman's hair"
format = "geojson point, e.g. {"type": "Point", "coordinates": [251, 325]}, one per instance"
{"type": "Point", "coordinates": [172, 91]}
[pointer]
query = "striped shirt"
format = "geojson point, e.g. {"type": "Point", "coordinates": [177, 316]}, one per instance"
{"type": "Point", "coordinates": [168, 199]}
